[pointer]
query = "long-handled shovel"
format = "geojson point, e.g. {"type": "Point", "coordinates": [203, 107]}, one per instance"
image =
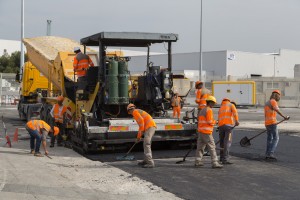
{"type": "Point", "coordinates": [184, 157]}
{"type": "Point", "coordinates": [245, 142]}
{"type": "Point", "coordinates": [127, 156]}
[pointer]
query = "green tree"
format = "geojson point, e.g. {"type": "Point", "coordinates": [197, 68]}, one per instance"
{"type": "Point", "coordinates": [10, 63]}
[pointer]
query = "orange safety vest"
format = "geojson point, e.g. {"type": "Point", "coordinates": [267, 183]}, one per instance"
{"type": "Point", "coordinates": [201, 99]}
{"type": "Point", "coordinates": [227, 114]}
{"type": "Point", "coordinates": [271, 107]}
{"type": "Point", "coordinates": [81, 64]}
{"type": "Point", "coordinates": [38, 125]}
{"type": "Point", "coordinates": [143, 119]}
{"type": "Point", "coordinates": [59, 115]}
{"type": "Point", "coordinates": [206, 121]}
{"type": "Point", "coordinates": [175, 102]}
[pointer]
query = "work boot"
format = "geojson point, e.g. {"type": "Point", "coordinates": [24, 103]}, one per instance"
{"type": "Point", "coordinates": [271, 158]}
{"type": "Point", "coordinates": [216, 165]}
{"type": "Point", "coordinates": [38, 154]}
{"type": "Point", "coordinates": [148, 165]}
{"type": "Point", "coordinates": [198, 163]}
{"type": "Point", "coordinates": [141, 163]}
{"type": "Point", "coordinates": [52, 145]}
{"type": "Point", "coordinates": [226, 162]}
{"type": "Point", "coordinates": [31, 151]}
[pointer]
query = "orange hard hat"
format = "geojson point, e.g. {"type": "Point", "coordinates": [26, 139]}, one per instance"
{"type": "Point", "coordinates": [198, 82]}
{"type": "Point", "coordinates": [60, 98]}
{"type": "Point", "coordinates": [130, 106]}
{"type": "Point", "coordinates": [56, 130]}
{"type": "Point", "coordinates": [276, 91]}
{"type": "Point", "coordinates": [226, 99]}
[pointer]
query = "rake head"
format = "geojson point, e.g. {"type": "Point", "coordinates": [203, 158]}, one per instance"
{"type": "Point", "coordinates": [124, 158]}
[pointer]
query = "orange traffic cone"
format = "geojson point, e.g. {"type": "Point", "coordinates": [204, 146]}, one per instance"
{"type": "Point", "coordinates": [8, 142]}
{"type": "Point", "coordinates": [16, 135]}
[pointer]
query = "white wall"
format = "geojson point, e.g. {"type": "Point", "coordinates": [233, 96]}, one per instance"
{"type": "Point", "coordinates": [245, 63]}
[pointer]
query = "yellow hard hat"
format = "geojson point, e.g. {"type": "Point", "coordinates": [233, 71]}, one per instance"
{"type": "Point", "coordinates": [130, 106]}
{"type": "Point", "coordinates": [211, 98]}
{"type": "Point", "coordinates": [56, 130]}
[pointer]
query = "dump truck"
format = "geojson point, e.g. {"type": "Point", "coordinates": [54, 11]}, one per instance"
{"type": "Point", "coordinates": [33, 87]}
{"type": "Point", "coordinates": [99, 119]}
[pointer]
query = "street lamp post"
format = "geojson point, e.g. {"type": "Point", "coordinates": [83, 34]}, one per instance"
{"type": "Point", "coordinates": [200, 59]}
{"type": "Point", "coordinates": [22, 36]}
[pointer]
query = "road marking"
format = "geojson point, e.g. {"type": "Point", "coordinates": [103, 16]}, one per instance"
{"type": "Point", "coordinates": [4, 180]}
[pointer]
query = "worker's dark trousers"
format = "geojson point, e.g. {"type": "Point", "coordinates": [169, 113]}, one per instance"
{"type": "Point", "coordinates": [59, 136]}
{"type": "Point", "coordinates": [35, 139]}
{"type": "Point", "coordinates": [225, 134]}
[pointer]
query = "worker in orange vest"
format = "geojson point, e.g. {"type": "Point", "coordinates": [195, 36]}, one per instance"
{"type": "Point", "coordinates": [201, 96]}
{"type": "Point", "coordinates": [81, 63]}
{"type": "Point", "coordinates": [58, 112]}
{"type": "Point", "coordinates": [271, 108]}
{"type": "Point", "coordinates": [38, 131]}
{"type": "Point", "coordinates": [176, 104]}
{"type": "Point", "coordinates": [147, 128]}
{"type": "Point", "coordinates": [228, 118]}
{"type": "Point", "coordinates": [206, 124]}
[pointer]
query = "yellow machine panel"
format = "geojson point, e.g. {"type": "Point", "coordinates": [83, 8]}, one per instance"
{"type": "Point", "coordinates": [32, 80]}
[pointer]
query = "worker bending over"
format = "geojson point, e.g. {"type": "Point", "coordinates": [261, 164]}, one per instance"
{"type": "Point", "coordinates": [147, 127]}
{"type": "Point", "coordinates": [206, 124]}
{"type": "Point", "coordinates": [176, 104]}
{"type": "Point", "coordinates": [201, 96]}
{"type": "Point", "coordinates": [38, 131]}
{"type": "Point", "coordinates": [81, 64]}
{"type": "Point", "coordinates": [58, 113]}
{"type": "Point", "coordinates": [228, 118]}
{"type": "Point", "coordinates": [271, 108]}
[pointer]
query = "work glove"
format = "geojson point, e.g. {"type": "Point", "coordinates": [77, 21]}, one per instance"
{"type": "Point", "coordinates": [237, 123]}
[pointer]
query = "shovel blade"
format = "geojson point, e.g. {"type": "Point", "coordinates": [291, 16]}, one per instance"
{"type": "Point", "coordinates": [245, 142]}
{"type": "Point", "coordinates": [126, 157]}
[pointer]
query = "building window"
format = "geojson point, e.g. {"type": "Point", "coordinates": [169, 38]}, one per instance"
{"type": "Point", "coordinates": [272, 85]}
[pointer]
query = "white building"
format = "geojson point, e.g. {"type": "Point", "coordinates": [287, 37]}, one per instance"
{"type": "Point", "coordinates": [219, 65]}
{"type": "Point", "coordinates": [9, 46]}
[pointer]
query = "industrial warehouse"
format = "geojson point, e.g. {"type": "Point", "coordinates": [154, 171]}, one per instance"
{"type": "Point", "coordinates": [127, 103]}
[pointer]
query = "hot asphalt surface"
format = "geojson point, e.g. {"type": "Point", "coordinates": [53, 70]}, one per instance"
{"type": "Point", "coordinates": [250, 177]}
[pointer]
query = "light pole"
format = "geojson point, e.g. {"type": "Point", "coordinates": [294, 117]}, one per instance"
{"type": "Point", "coordinates": [22, 36]}
{"type": "Point", "coordinates": [48, 27]}
{"type": "Point", "coordinates": [200, 59]}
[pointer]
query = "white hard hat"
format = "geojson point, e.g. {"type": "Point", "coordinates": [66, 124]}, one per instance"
{"type": "Point", "coordinates": [76, 48]}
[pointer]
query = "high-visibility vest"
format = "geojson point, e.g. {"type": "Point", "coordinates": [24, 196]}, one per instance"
{"type": "Point", "coordinates": [143, 119]}
{"type": "Point", "coordinates": [59, 114]}
{"type": "Point", "coordinates": [206, 121]}
{"type": "Point", "coordinates": [38, 125]}
{"type": "Point", "coordinates": [270, 112]}
{"type": "Point", "coordinates": [81, 64]}
{"type": "Point", "coordinates": [227, 114]}
{"type": "Point", "coordinates": [201, 99]}
{"type": "Point", "coordinates": [175, 102]}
